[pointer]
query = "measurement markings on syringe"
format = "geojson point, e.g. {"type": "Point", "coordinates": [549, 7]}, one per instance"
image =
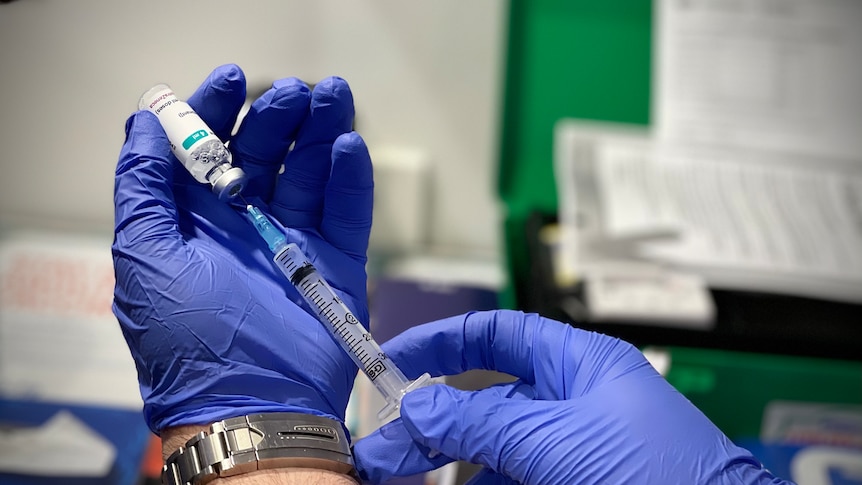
{"type": "Point", "coordinates": [353, 343]}
{"type": "Point", "coordinates": [339, 325]}
{"type": "Point", "coordinates": [342, 329]}
{"type": "Point", "coordinates": [324, 310]}
{"type": "Point", "coordinates": [291, 265]}
{"type": "Point", "coordinates": [363, 356]}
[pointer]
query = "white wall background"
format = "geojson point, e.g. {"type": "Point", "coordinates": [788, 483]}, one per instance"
{"type": "Point", "coordinates": [426, 75]}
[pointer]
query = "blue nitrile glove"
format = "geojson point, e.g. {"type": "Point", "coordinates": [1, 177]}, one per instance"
{"type": "Point", "coordinates": [600, 413]}
{"type": "Point", "coordinates": [214, 329]}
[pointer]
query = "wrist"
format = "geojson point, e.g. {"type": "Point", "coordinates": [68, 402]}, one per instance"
{"type": "Point", "coordinates": [288, 476]}
{"type": "Point", "coordinates": [177, 436]}
{"type": "Point", "coordinates": [279, 448]}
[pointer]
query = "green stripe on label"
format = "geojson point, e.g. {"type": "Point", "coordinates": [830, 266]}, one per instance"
{"type": "Point", "coordinates": [193, 138]}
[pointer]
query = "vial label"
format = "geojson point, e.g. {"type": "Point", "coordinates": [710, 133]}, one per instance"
{"type": "Point", "coordinates": [192, 142]}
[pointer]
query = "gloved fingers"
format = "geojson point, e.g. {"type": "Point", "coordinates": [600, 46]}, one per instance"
{"type": "Point", "coordinates": [299, 193]}
{"type": "Point", "coordinates": [558, 359]}
{"type": "Point", "coordinates": [500, 340]}
{"type": "Point", "coordinates": [517, 389]}
{"type": "Point", "coordinates": [144, 207]}
{"type": "Point", "coordinates": [504, 435]}
{"type": "Point", "coordinates": [390, 451]}
{"type": "Point", "coordinates": [266, 133]}
{"type": "Point", "coordinates": [349, 197]}
{"type": "Point", "coordinates": [219, 99]}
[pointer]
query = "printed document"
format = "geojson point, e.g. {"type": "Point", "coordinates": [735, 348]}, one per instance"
{"type": "Point", "coordinates": [751, 173]}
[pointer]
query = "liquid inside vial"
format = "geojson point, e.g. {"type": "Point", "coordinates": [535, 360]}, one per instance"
{"type": "Point", "coordinates": [205, 158]}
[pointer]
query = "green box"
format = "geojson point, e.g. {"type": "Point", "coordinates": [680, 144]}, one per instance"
{"type": "Point", "coordinates": [733, 388]}
{"type": "Point", "coordinates": [591, 59]}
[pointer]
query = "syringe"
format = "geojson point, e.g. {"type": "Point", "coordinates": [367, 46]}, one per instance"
{"type": "Point", "coordinates": [336, 317]}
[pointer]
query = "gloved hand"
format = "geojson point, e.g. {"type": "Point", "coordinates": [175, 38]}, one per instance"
{"type": "Point", "coordinates": [599, 412]}
{"type": "Point", "coordinates": [214, 329]}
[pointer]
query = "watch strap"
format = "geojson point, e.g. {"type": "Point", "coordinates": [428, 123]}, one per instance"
{"type": "Point", "coordinates": [257, 442]}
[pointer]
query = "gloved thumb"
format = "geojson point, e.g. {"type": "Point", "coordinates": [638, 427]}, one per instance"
{"type": "Point", "coordinates": [478, 427]}
{"type": "Point", "coordinates": [143, 195]}
{"type": "Point", "coordinates": [146, 141]}
{"type": "Point", "coordinates": [392, 451]}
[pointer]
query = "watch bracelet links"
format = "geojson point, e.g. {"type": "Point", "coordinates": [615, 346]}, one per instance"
{"type": "Point", "coordinates": [258, 442]}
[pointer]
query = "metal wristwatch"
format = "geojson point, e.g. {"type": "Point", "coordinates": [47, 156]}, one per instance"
{"type": "Point", "coordinates": [258, 442]}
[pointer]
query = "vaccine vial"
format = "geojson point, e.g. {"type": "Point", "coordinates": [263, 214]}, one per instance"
{"type": "Point", "coordinates": [195, 145]}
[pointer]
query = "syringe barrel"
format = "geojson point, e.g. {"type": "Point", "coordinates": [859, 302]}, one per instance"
{"type": "Point", "coordinates": [193, 142]}
{"type": "Point", "coordinates": [391, 383]}
{"type": "Point", "coordinates": [342, 323]}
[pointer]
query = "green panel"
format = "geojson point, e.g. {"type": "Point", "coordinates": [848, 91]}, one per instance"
{"type": "Point", "coordinates": [591, 59]}
{"type": "Point", "coordinates": [583, 59]}
{"type": "Point", "coordinates": [733, 388]}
